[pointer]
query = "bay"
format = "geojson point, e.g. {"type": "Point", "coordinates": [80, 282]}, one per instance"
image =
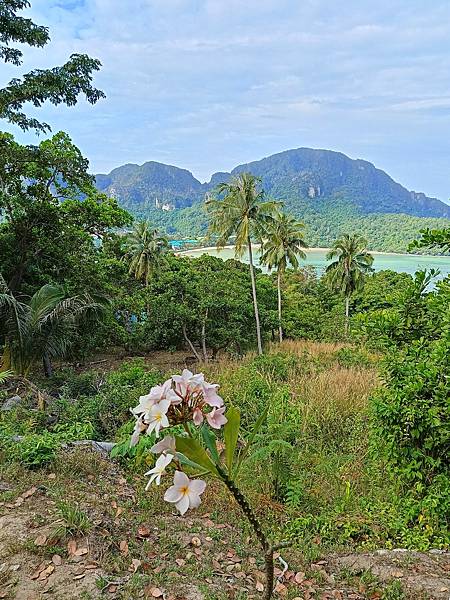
{"type": "Point", "coordinates": [316, 257]}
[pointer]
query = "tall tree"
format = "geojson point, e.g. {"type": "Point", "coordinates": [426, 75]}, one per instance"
{"type": "Point", "coordinates": [351, 262]}
{"type": "Point", "coordinates": [40, 329]}
{"type": "Point", "coordinates": [50, 214]}
{"type": "Point", "coordinates": [146, 249]}
{"type": "Point", "coordinates": [241, 211]}
{"type": "Point", "coordinates": [59, 85]}
{"type": "Point", "coordinates": [282, 247]}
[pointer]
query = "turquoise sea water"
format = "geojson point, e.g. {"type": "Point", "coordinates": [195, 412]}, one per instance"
{"type": "Point", "coordinates": [406, 263]}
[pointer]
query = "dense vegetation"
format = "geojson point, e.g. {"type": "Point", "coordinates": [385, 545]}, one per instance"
{"type": "Point", "coordinates": [344, 422]}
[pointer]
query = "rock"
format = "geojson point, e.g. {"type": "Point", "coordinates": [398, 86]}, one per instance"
{"type": "Point", "coordinates": [11, 403]}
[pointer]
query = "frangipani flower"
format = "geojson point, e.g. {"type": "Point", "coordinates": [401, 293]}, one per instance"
{"type": "Point", "coordinates": [157, 393]}
{"type": "Point", "coordinates": [157, 417]}
{"type": "Point", "coordinates": [160, 466]}
{"type": "Point", "coordinates": [210, 394]}
{"type": "Point", "coordinates": [187, 382]}
{"type": "Point", "coordinates": [216, 418]}
{"type": "Point", "coordinates": [185, 493]}
{"type": "Point", "coordinates": [167, 443]}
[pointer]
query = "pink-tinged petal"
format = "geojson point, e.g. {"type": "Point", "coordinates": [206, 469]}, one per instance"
{"type": "Point", "coordinates": [173, 494]}
{"type": "Point", "coordinates": [180, 479]}
{"type": "Point", "coordinates": [183, 504]}
{"type": "Point", "coordinates": [197, 486]}
{"type": "Point", "coordinates": [216, 418]}
{"type": "Point", "coordinates": [173, 397]}
{"type": "Point", "coordinates": [197, 416]}
{"type": "Point", "coordinates": [168, 443]}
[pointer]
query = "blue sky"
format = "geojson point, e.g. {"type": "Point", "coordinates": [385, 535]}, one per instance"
{"type": "Point", "coordinates": [209, 84]}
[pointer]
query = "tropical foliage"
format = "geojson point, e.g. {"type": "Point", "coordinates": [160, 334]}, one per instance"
{"type": "Point", "coordinates": [352, 262]}
{"type": "Point", "coordinates": [243, 213]}
{"type": "Point", "coordinates": [282, 247]}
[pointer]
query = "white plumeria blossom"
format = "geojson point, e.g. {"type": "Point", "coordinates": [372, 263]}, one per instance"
{"type": "Point", "coordinates": [160, 466]}
{"type": "Point", "coordinates": [157, 417]}
{"type": "Point", "coordinates": [157, 393]}
{"type": "Point", "coordinates": [185, 493]}
{"type": "Point", "coordinates": [187, 381]}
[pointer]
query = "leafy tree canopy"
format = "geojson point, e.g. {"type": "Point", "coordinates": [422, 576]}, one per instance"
{"type": "Point", "coordinates": [58, 85]}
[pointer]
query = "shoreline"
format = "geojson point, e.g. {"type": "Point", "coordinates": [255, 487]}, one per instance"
{"type": "Point", "coordinates": [231, 246]}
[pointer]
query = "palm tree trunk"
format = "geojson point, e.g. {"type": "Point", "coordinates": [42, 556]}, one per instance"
{"type": "Point", "coordinates": [347, 312]}
{"type": "Point", "coordinates": [255, 300]}
{"type": "Point", "coordinates": [47, 364]}
{"type": "Point", "coordinates": [280, 328]}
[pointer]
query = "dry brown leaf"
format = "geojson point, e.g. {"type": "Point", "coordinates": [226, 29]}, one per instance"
{"type": "Point", "coordinates": [56, 560]}
{"type": "Point", "coordinates": [38, 570]}
{"type": "Point", "coordinates": [29, 493]}
{"type": "Point", "coordinates": [398, 574]}
{"type": "Point", "coordinates": [81, 551]}
{"type": "Point", "coordinates": [79, 576]}
{"type": "Point", "coordinates": [52, 476]}
{"type": "Point", "coordinates": [281, 589]}
{"type": "Point", "coordinates": [156, 592]}
{"type": "Point", "coordinates": [124, 547]}
{"type": "Point", "coordinates": [46, 572]}
{"type": "Point", "coordinates": [112, 589]}
{"type": "Point", "coordinates": [40, 540]}
{"type": "Point", "coordinates": [143, 531]}
{"type": "Point", "coordinates": [71, 547]}
{"type": "Point", "coordinates": [259, 586]}
{"type": "Point", "coordinates": [299, 577]}
{"type": "Point", "coordinates": [135, 564]}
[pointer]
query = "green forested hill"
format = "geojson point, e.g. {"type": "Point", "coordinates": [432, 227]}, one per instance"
{"type": "Point", "coordinates": [329, 191]}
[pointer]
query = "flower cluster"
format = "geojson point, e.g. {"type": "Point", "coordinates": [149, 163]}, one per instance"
{"type": "Point", "coordinates": [179, 400]}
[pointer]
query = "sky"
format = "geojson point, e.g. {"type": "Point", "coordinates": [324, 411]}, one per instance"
{"type": "Point", "coordinates": [209, 84]}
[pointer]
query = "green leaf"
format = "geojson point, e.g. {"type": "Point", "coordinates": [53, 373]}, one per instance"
{"type": "Point", "coordinates": [195, 452]}
{"type": "Point", "coordinates": [231, 432]}
{"type": "Point", "coordinates": [251, 438]}
{"type": "Point", "coordinates": [210, 441]}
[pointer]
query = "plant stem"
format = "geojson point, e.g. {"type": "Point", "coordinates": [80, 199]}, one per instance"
{"type": "Point", "coordinates": [265, 544]}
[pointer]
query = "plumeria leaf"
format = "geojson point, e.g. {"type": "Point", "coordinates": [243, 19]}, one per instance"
{"type": "Point", "coordinates": [231, 433]}
{"type": "Point", "coordinates": [251, 438]}
{"type": "Point", "coordinates": [185, 461]}
{"type": "Point", "coordinates": [194, 451]}
{"type": "Point", "coordinates": [210, 441]}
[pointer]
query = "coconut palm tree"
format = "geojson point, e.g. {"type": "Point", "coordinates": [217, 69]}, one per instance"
{"type": "Point", "coordinates": [241, 211]}
{"type": "Point", "coordinates": [352, 262]}
{"type": "Point", "coordinates": [40, 329]}
{"type": "Point", "coordinates": [282, 247]}
{"type": "Point", "coordinates": [146, 248]}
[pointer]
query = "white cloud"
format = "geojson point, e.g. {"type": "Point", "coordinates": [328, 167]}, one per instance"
{"type": "Point", "coordinates": [207, 84]}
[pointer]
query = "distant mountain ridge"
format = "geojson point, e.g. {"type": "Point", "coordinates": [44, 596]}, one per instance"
{"type": "Point", "coordinates": [305, 178]}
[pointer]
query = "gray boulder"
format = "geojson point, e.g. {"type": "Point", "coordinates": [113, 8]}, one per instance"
{"type": "Point", "coordinates": [11, 403]}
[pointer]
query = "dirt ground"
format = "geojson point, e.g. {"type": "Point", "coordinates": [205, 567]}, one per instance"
{"type": "Point", "coordinates": [85, 531]}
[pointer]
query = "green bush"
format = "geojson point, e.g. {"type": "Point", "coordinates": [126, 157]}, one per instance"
{"type": "Point", "coordinates": [354, 357]}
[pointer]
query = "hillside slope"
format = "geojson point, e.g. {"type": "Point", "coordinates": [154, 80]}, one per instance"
{"type": "Point", "coordinates": [329, 191]}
